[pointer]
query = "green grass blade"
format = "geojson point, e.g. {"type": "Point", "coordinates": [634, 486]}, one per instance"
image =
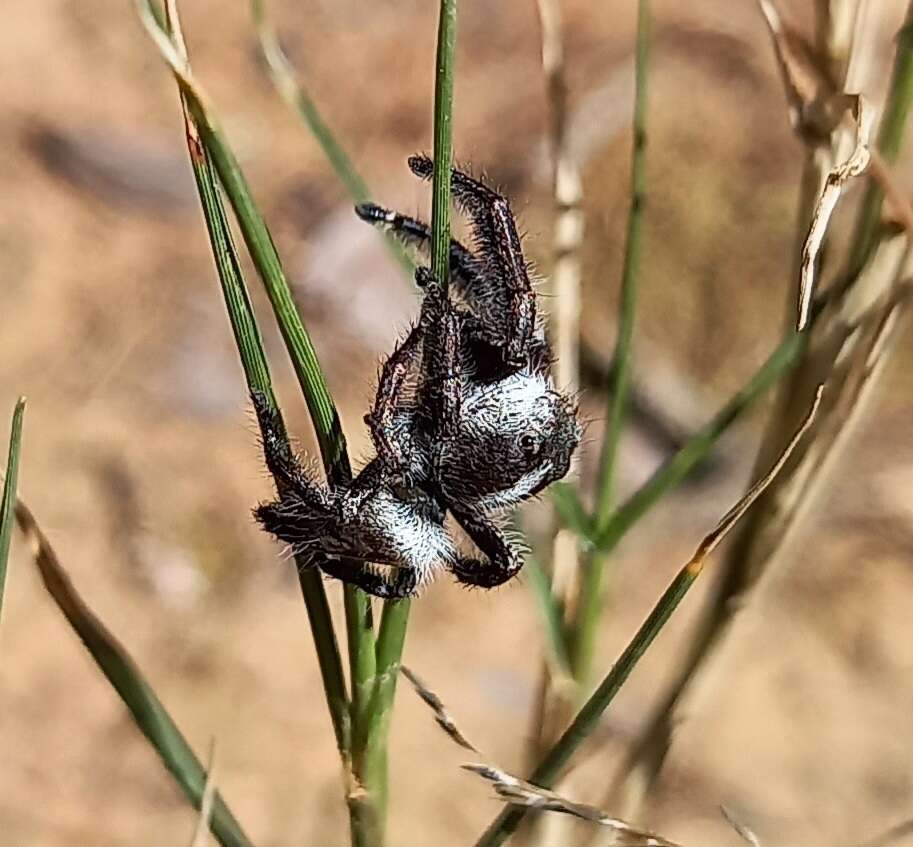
{"type": "Point", "coordinates": [266, 260]}
{"type": "Point", "coordinates": [550, 609]}
{"type": "Point", "coordinates": [691, 454]}
{"type": "Point", "coordinates": [256, 370]}
{"type": "Point", "coordinates": [10, 483]}
{"type": "Point", "coordinates": [627, 306]}
{"type": "Point", "coordinates": [287, 83]}
{"type": "Point", "coordinates": [263, 253]}
{"type": "Point", "coordinates": [590, 714]}
{"type": "Point", "coordinates": [571, 511]}
{"type": "Point", "coordinates": [588, 717]}
{"type": "Point", "coordinates": [395, 617]}
{"type": "Point", "coordinates": [372, 770]}
{"type": "Point", "coordinates": [443, 142]}
{"type": "Point", "coordinates": [589, 613]}
{"type": "Point", "coordinates": [137, 695]}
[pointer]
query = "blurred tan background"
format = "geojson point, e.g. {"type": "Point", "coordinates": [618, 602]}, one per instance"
{"type": "Point", "coordinates": [141, 461]}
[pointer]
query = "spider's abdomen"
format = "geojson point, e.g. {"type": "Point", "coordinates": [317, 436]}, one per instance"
{"type": "Point", "coordinates": [516, 436]}
{"type": "Point", "coordinates": [399, 530]}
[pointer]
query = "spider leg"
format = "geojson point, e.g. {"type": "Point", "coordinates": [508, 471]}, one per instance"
{"type": "Point", "coordinates": [504, 561]}
{"type": "Point", "coordinates": [440, 323]}
{"type": "Point", "coordinates": [464, 267]}
{"type": "Point", "coordinates": [388, 401]}
{"type": "Point", "coordinates": [295, 520]}
{"type": "Point", "coordinates": [502, 255]}
{"type": "Point", "coordinates": [402, 585]}
{"type": "Point", "coordinates": [280, 460]}
{"type": "Point", "coordinates": [391, 437]}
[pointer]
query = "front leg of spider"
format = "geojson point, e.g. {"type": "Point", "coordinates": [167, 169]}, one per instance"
{"type": "Point", "coordinates": [509, 309]}
{"type": "Point", "coordinates": [504, 562]}
{"type": "Point", "coordinates": [441, 360]}
{"type": "Point", "coordinates": [465, 271]}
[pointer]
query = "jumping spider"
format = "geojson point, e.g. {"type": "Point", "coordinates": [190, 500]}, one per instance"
{"type": "Point", "coordinates": [466, 420]}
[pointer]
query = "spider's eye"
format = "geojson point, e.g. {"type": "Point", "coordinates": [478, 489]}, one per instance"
{"type": "Point", "coordinates": [529, 444]}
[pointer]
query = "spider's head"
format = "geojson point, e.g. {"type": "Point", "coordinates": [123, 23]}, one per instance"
{"type": "Point", "coordinates": [518, 436]}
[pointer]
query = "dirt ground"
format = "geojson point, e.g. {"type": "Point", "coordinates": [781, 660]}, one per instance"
{"type": "Point", "coordinates": [141, 461]}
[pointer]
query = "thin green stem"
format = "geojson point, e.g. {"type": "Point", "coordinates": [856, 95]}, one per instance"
{"type": "Point", "coordinates": [588, 717]}
{"type": "Point", "coordinates": [443, 142]}
{"type": "Point", "coordinates": [391, 639]}
{"type": "Point", "coordinates": [148, 712]}
{"type": "Point", "coordinates": [8, 503]}
{"type": "Point", "coordinates": [285, 78]}
{"type": "Point", "coordinates": [395, 616]}
{"type": "Point", "coordinates": [288, 84]}
{"type": "Point", "coordinates": [589, 611]}
{"type": "Point", "coordinates": [628, 301]}
{"type": "Point", "coordinates": [890, 136]}
{"type": "Point", "coordinates": [253, 359]}
{"type": "Point", "coordinates": [256, 370]}
{"type": "Point", "coordinates": [676, 469]}
{"type": "Point", "coordinates": [552, 618]}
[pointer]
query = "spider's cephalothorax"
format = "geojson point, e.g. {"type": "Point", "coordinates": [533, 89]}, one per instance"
{"type": "Point", "coordinates": [466, 420]}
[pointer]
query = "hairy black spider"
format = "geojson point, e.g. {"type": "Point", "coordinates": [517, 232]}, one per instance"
{"type": "Point", "coordinates": [466, 420]}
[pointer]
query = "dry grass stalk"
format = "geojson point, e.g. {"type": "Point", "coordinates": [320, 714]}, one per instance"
{"type": "Point", "coordinates": [564, 281]}
{"type": "Point", "coordinates": [518, 792]}
{"type": "Point", "coordinates": [563, 291]}
{"type": "Point", "coordinates": [741, 829]}
{"type": "Point", "coordinates": [441, 715]}
{"type": "Point", "coordinates": [204, 819]}
{"type": "Point", "coordinates": [557, 690]}
{"type": "Point", "coordinates": [834, 183]}
{"type": "Point", "coordinates": [848, 346]}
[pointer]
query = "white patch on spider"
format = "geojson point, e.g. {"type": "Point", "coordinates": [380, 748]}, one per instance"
{"type": "Point", "coordinates": [520, 394]}
{"type": "Point", "coordinates": [420, 543]}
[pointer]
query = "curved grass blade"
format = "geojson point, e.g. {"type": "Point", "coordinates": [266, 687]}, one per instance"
{"type": "Point", "coordinates": [9, 491]}
{"type": "Point", "coordinates": [287, 83]}
{"type": "Point", "coordinates": [262, 251]}
{"type": "Point", "coordinates": [256, 370]}
{"type": "Point", "coordinates": [138, 696]}
{"type": "Point", "coordinates": [260, 245]}
{"type": "Point", "coordinates": [589, 716]}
